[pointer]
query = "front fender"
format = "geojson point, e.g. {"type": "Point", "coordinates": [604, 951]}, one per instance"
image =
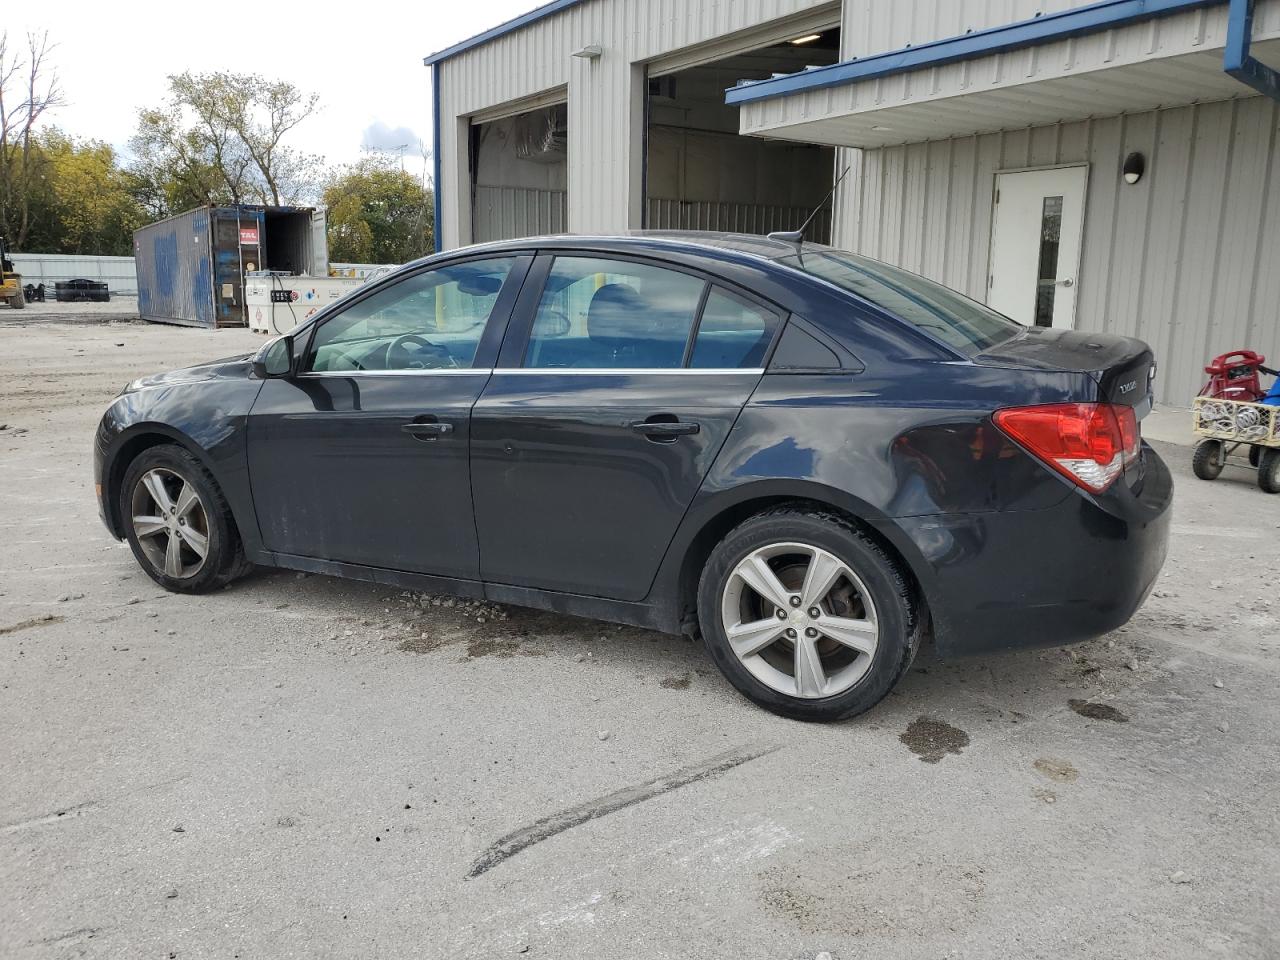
{"type": "Point", "coordinates": [209, 418]}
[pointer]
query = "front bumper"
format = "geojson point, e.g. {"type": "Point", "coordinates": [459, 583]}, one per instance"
{"type": "Point", "coordinates": [1071, 572]}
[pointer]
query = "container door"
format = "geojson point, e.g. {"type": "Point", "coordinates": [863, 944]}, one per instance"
{"type": "Point", "coordinates": [319, 244]}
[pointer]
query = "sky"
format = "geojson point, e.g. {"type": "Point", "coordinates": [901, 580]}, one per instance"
{"type": "Point", "coordinates": [364, 59]}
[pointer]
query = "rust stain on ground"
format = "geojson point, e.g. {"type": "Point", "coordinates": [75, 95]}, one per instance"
{"type": "Point", "coordinates": [1059, 770]}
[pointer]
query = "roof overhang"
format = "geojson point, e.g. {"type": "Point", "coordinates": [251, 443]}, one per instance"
{"type": "Point", "coordinates": [1112, 57]}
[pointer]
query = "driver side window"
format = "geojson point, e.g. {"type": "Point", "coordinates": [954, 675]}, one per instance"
{"type": "Point", "coordinates": [429, 321]}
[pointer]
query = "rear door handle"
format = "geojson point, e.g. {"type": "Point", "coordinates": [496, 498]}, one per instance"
{"type": "Point", "coordinates": [664, 429]}
{"type": "Point", "coordinates": [420, 428]}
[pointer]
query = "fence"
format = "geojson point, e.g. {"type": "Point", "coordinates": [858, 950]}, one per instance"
{"type": "Point", "coordinates": [119, 273]}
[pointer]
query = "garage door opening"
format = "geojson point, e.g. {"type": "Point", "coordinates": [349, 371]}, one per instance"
{"type": "Point", "coordinates": [520, 175]}
{"type": "Point", "coordinates": [702, 175]}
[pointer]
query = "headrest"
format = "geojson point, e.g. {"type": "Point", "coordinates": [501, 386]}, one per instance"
{"type": "Point", "coordinates": [616, 312]}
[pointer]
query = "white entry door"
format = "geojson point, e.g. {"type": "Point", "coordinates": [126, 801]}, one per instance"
{"type": "Point", "coordinates": [1035, 245]}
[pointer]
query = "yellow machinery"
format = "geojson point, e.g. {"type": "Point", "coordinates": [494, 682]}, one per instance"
{"type": "Point", "coordinates": [10, 282]}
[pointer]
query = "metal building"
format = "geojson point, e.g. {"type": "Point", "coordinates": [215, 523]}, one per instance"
{"type": "Point", "coordinates": [1106, 165]}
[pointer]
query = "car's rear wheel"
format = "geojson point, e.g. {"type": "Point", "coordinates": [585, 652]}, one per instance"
{"type": "Point", "coordinates": [1269, 470]}
{"type": "Point", "coordinates": [178, 523]}
{"type": "Point", "coordinates": [806, 615]}
{"type": "Point", "coordinates": [1209, 459]}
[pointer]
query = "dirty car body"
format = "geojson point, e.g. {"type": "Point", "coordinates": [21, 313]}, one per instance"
{"type": "Point", "coordinates": [523, 444]}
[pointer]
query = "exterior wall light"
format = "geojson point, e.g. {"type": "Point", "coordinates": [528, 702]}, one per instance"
{"type": "Point", "coordinates": [590, 52]}
{"type": "Point", "coordinates": [1135, 165]}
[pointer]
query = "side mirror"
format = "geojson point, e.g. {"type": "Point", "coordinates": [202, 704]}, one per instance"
{"type": "Point", "coordinates": [275, 360]}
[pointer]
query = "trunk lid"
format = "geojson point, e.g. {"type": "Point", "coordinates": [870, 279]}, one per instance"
{"type": "Point", "coordinates": [1122, 367]}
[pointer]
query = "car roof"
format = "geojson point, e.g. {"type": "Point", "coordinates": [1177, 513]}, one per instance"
{"type": "Point", "coordinates": [743, 245]}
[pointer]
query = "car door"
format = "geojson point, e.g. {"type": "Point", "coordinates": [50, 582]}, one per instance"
{"type": "Point", "coordinates": [618, 384]}
{"type": "Point", "coordinates": [361, 456]}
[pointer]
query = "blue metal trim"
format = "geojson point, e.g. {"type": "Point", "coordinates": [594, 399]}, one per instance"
{"type": "Point", "coordinates": [533, 16]}
{"type": "Point", "coordinates": [438, 233]}
{"type": "Point", "coordinates": [1236, 60]}
{"type": "Point", "coordinates": [1063, 25]}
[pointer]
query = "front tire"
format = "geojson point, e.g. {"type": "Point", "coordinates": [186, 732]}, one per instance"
{"type": "Point", "coordinates": [1209, 459]}
{"type": "Point", "coordinates": [807, 616]}
{"type": "Point", "coordinates": [1269, 470]}
{"type": "Point", "coordinates": [178, 523]}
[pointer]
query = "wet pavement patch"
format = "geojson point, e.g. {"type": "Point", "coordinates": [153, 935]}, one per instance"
{"type": "Point", "coordinates": [931, 740]}
{"type": "Point", "coordinates": [1097, 711]}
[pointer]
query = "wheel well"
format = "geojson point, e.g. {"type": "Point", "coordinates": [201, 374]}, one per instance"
{"type": "Point", "coordinates": [129, 451]}
{"type": "Point", "coordinates": [699, 550]}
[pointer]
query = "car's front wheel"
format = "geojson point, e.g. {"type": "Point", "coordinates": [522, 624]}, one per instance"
{"type": "Point", "coordinates": [178, 523]}
{"type": "Point", "coordinates": [806, 615]}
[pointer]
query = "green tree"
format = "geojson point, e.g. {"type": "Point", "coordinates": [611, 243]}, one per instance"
{"type": "Point", "coordinates": [377, 213]}
{"type": "Point", "coordinates": [220, 138]}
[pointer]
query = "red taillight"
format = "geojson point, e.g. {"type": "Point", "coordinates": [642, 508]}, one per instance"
{"type": "Point", "coordinates": [1088, 443]}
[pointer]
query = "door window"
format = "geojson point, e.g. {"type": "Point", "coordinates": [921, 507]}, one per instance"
{"type": "Point", "coordinates": [430, 321]}
{"type": "Point", "coordinates": [733, 333]}
{"type": "Point", "coordinates": [612, 314]}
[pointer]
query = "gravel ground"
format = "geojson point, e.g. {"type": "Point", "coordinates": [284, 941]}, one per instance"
{"type": "Point", "coordinates": [307, 767]}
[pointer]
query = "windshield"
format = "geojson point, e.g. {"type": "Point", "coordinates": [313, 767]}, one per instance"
{"type": "Point", "coordinates": [948, 316]}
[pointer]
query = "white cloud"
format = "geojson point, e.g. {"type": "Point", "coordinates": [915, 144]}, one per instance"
{"type": "Point", "coordinates": [367, 69]}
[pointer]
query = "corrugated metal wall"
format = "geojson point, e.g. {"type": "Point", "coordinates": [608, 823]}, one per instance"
{"type": "Point", "coordinates": [877, 26]}
{"type": "Point", "coordinates": [1188, 259]}
{"type": "Point", "coordinates": [504, 212]}
{"type": "Point", "coordinates": [606, 96]}
{"type": "Point", "coordinates": [50, 268]}
{"type": "Point", "coordinates": [734, 217]}
{"type": "Point", "coordinates": [175, 269]}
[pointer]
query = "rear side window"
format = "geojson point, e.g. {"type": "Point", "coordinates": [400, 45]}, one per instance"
{"type": "Point", "coordinates": [951, 317]}
{"type": "Point", "coordinates": [612, 314]}
{"type": "Point", "coordinates": [732, 333]}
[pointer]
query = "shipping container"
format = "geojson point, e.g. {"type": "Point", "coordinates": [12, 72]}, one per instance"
{"type": "Point", "coordinates": [191, 267]}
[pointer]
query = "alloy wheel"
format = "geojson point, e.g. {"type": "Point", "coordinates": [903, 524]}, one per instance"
{"type": "Point", "coordinates": [800, 620]}
{"type": "Point", "coordinates": [171, 523]}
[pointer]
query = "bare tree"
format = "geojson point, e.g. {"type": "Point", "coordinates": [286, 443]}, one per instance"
{"type": "Point", "coordinates": [28, 89]}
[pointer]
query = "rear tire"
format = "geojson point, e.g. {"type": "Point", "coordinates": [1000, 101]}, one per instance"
{"type": "Point", "coordinates": [1209, 459]}
{"type": "Point", "coordinates": [818, 653]}
{"type": "Point", "coordinates": [178, 523]}
{"type": "Point", "coordinates": [17, 301]}
{"type": "Point", "coordinates": [1269, 471]}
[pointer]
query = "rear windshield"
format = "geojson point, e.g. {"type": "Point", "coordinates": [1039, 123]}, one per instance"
{"type": "Point", "coordinates": [946, 315]}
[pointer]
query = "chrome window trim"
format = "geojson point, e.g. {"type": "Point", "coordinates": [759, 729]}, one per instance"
{"type": "Point", "coordinates": [630, 371]}
{"type": "Point", "coordinates": [407, 372]}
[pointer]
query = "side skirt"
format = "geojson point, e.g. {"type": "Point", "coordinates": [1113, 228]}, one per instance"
{"type": "Point", "coordinates": [650, 616]}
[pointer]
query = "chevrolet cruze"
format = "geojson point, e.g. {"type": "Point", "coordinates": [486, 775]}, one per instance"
{"type": "Point", "coordinates": [809, 458]}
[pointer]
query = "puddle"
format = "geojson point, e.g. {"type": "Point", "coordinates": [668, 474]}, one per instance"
{"type": "Point", "coordinates": [931, 740]}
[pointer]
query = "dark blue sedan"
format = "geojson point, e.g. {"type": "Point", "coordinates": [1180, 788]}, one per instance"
{"type": "Point", "coordinates": [810, 458]}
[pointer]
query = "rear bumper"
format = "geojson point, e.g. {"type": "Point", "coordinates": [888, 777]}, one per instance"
{"type": "Point", "coordinates": [997, 581]}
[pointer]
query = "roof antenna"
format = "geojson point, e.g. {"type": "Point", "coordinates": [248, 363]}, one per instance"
{"type": "Point", "coordinates": [797, 236]}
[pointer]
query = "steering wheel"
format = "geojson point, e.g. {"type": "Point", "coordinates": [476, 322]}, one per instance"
{"type": "Point", "coordinates": [398, 358]}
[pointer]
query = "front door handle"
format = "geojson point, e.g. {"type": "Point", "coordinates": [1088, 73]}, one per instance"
{"type": "Point", "coordinates": [665, 429]}
{"type": "Point", "coordinates": [424, 428]}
